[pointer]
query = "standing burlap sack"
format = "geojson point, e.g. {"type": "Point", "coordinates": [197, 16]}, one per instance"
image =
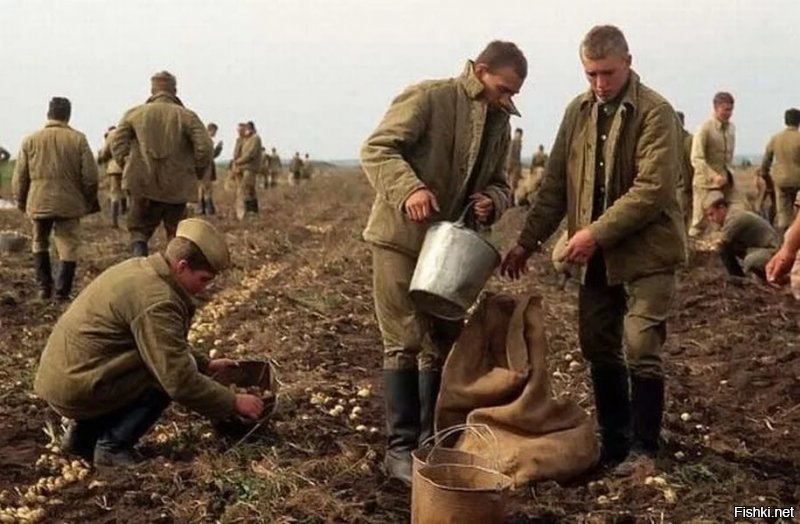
{"type": "Point", "coordinates": [497, 375]}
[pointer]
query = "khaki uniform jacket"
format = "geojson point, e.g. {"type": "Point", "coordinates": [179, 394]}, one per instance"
{"type": "Point", "coordinates": [104, 156]}
{"type": "Point", "coordinates": [686, 160]}
{"type": "Point", "coordinates": [125, 333]}
{"type": "Point", "coordinates": [539, 160]}
{"type": "Point", "coordinates": [274, 163]}
{"type": "Point", "coordinates": [55, 174]}
{"type": "Point", "coordinates": [163, 149]}
{"type": "Point", "coordinates": [784, 149]}
{"type": "Point", "coordinates": [712, 152]}
{"type": "Point", "coordinates": [296, 165]}
{"type": "Point", "coordinates": [430, 138]}
{"type": "Point", "coordinates": [641, 231]}
{"type": "Point", "coordinates": [250, 154]}
{"type": "Point", "coordinates": [743, 230]}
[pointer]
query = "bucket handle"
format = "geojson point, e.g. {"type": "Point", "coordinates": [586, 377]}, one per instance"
{"type": "Point", "coordinates": [480, 430]}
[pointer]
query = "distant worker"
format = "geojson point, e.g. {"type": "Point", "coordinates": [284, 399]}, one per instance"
{"type": "Point", "coordinates": [55, 183]}
{"type": "Point", "coordinates": [748, 241]}
{"type": "Point", "coordinates": [515, 159]}
{"type": "Point", "coordinates": [712, 158]}
{"type": "Point", "coordinates": [274, 167]}
{"type": "Point", "coordinates": [114, 176]}
{"type": "Point", "coordinates": [539, 158]}
{"type": "Point", "coordinates": [263, 171]}
{"type": "Point", "coordinates": [781, 168]}
{"type": "Point", "coordinates": [296, 168]}
{"type": "Point", "coordinates": [246, 167]}
{"type": "Point", "coordinates": [685, 183]}
{"type": "Point", "coordinates": [205, 191]}
{"type": "Point", "coordinates": [308, 167]}
{"type": "Point", "coordinates": [163, 149]}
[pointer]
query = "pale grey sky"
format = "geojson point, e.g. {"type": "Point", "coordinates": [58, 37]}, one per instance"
{"type": "Point", "coordinates": [317, 76]}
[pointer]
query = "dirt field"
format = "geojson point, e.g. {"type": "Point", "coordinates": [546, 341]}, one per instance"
{"type": "Point", "coordinates": [300, 294]}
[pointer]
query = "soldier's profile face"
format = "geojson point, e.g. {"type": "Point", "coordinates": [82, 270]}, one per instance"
{"type": "Point", "coordinates": [723, 111]}
{"type": "Point", "coordinates": [607, 76]}
{"type": "Point", "coordinates": [500, 85]}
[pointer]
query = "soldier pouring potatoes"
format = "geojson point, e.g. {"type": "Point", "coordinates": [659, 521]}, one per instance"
{"type": "Point", "coordinates": [119, 355]}
{"type": "Point", "coordinates": [441, 145]}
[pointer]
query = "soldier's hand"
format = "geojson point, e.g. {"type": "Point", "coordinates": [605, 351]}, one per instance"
{"type": "Point", "coordinates": [218, 364]}
{"type": "Point", "coordinates": [484, 207]}
{"type": "Point", "coordinates": [421, 205]}
{"type": "Point", "coordinates": [580, 247]}
{"type": "Point", "coordinates": [777, 269]}
{"type": "Point", "coordinates": [515, 263]}
{"type": "Point", "coordinates": [719, 181]}
{"type": "Point", "coordinates": [249, 406]}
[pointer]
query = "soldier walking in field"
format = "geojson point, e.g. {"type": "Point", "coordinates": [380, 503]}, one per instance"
{"type": "Point", "coordinates": [55, 183]}
{"type": "Point", "coordinates": [781, 168]}
{"type": "Point", "coordinates": [163, 149]}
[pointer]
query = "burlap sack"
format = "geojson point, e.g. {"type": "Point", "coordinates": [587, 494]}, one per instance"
{"type": "Point", "coordinates": [497, 375]}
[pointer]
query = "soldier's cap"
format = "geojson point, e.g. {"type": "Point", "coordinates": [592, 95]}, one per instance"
{"type": "Point", "coordinates": [163, 81]}
{"type": "Point", "coordinates": [210, 241]}
{"type": "Point", "coordinates": [713, 198]}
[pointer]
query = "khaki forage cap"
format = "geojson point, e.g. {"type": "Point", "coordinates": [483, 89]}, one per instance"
{"type": "Point", "coordinates": [210, 241]}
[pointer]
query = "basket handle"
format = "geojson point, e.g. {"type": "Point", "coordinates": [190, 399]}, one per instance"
{"type": "Point", "coordinates": [480, 430]}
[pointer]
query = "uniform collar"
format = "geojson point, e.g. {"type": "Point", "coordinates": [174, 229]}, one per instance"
{"type": "Point", "coordinates": [162, 269]}
{"type": "Point", "coordinates": [469, 80]}
{"type": "Point", "coordinates": [718, 125]}
{"type": "Point", "coordinates": [56, 123]}
{"type": "Point", "coordinates": [165, 97]}
{"type": "Point", "coordinates": [630, 94]}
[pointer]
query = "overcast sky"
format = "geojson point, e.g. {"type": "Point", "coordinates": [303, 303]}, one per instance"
{"type": "Point", "coordinates": [317, 76]}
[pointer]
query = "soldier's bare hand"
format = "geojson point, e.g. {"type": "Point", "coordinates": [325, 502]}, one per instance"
{"type": "Point", "coordinates": [249, 406]}
{"type": "Point", "coordinates": [484, 207]}
{"type": "Point", "coordinates": [718, 180]}
{"type": "Point", "coordinates": [580, 247]}
{"type": "Point", "coordinates": [421, 205]}
{"type": "Point", "coordinates": [515, 263]}
{"type": "Point", "coordinates": [777, 269]}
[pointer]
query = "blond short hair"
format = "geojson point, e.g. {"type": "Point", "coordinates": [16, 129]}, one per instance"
{"type": "Point", "coordinates": [603, 41]}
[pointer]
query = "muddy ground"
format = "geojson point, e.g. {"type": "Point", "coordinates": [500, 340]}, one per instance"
{"type": "Point", "coordinates": [300, 294]}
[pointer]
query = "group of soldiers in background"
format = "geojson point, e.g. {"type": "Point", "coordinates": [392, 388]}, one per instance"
{"type": "Point", "coordinates": [157, 160]}
{"type": "Point", "coordinates": [750, 228]}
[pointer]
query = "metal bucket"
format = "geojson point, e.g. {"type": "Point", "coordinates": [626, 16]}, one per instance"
{"type": "Point", "coordinates": [454, 264]}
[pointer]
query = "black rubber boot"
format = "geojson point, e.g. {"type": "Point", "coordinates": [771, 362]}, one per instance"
{"type": "Point", "coordinates": [401, 389]}
{"type": "Point", "coordinates": [648, 407]}
{"type": "Point", "coordinates": [123, 205]}
{"type": "Point", "coordinates": [429, 384]}
{"type": "Point", "coordinates": [255, 206]}
{"type": "Point", "coordinates": [139, 248]}
{"type": "Point", "coordinates": [210, 207]}
{"type": "Point", "coordinates": [612, 400]}
{"type": "Point", "coordinates": [201, 207]}
{"type": "Point", "coordinates": [115, 215]}
{"type": "Point", "coordinates": [64, 279]}
{"type": "Point", "coordinates": [80, 438]}
{"type": "Point", "coordinates": [44, 274]}
{"type": "Point", "coordinates": [123, 429]}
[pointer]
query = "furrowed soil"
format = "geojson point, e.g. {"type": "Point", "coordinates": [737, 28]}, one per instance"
{"type": "Point", "coordinates": [300, 294]}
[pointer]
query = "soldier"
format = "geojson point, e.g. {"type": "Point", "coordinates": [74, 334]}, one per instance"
{"type": "Point", "coordinates": [205, 190]}
{"type": "Point", "coordinates": [784, 179]}
{"type": "Point", "coordinates": [263, 171]}
{"type": "Point", "coordinates": [296, 168]}
{"type": "Point", "coordinates": [746, 236]}
{"type": "Point", "coordinates": [163, 149]}
{"type": "Point", "coordinates": [515, 160]}
{"type": "Point", "coordinates": [427, 163]}
{"type": "Point", "coordinates": [119, 355]}
{"type": "Point", "coordinates": [308, 167]}
{"type": "Point", "coordinates": [55, 183]}
{"type": "Point", "coordinates": [114, 174]}
{"type": "Point", "coordinates": [539, 158]}
{"type": "Point", "coordinates": [712, 158]}
{"type": "Point", "coordinates": [246, 167]}
{"type": "Point", "coordinates": [625, 227]}
{"type": "Point", "coordinates": [685, 183]}
{"type": "Point", "coordinates": [274, 167]}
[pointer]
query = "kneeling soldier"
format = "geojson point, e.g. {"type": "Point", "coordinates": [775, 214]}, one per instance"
{"type": "Point", "coordinates": [119, 355]}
